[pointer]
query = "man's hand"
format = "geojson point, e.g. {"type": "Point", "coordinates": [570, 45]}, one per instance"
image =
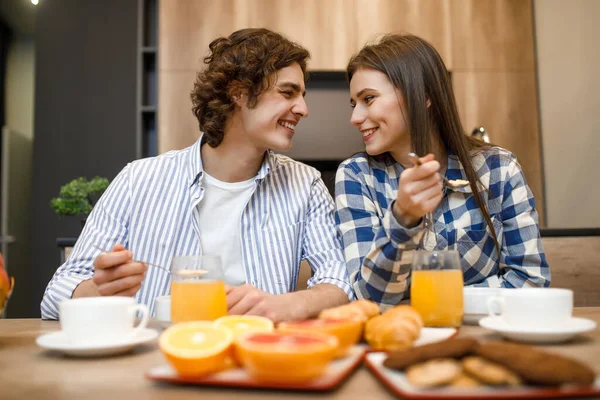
{"type": "Point", "coordinates": [114, 275]}
{"type": "Point", "coordinates": [248, 300]}
{"type": "Point", "coordinates": [303, 304]}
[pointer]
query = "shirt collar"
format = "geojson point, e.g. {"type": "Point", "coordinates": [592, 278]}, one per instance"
{"type": "Point", "coordinates": [195, 170]}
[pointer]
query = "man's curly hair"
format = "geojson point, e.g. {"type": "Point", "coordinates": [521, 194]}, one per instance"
{"type": "Point", "coordinates": [245, 60]}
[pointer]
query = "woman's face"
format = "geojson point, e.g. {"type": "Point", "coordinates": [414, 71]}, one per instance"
{"type": "Point", "coordinates": [271, 123]}
{"type": "Point", "coordinates": [379, 113]}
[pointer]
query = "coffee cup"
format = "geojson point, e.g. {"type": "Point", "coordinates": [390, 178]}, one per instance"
{"type": "Point", "coordinates": [533, 308]}
{"type": "Point", "coordinates": [475, 302]}
{"type": "Point", "coordinates": [162, 308]}
{"type": "Point", "coordinates": [92, 320]}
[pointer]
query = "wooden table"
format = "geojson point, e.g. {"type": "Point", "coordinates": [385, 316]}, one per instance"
{"type": "Point", "coordinates": [29, 372]}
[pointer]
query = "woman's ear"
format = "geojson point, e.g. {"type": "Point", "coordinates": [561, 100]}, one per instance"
{"type": "Point", "coordinates": [428, 103]}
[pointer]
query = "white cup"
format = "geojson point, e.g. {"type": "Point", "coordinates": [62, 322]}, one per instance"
{"type": "Point", "coordinates": [533, 308]}
{"type": "Point", "coordinates": [475, 302]}
{"type": "Point", "coordinates": [92, 320]}
{"type": "Point", "coordinates": [162, 308]}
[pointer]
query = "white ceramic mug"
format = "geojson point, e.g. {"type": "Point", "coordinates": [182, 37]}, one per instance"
{"type": "Point", "coordinates": [533, 308]}
{"type": "Point", "coordinates": [93, 320]}
{"type": "Point", "coordinates": [475, 302]}
{"type": "Point", "coordinates": [162, 308]}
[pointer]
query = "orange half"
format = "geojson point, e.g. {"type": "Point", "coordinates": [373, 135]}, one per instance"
{"type": "Point", "coordinates": [286, 356]}
{"type": "Point", "coordinates": [347, 331]}
{"type": "Point", "coordinates": [245, 323]}
{"type": "Point", "coordinates": [197, 348]}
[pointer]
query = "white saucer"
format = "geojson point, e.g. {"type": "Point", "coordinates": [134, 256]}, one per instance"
{"type": "Point", "coordinates": [473, 319]}
{"type": "Point", "coordinates": [563, 333]}
{"type": "Point", "coordinates": [58, 341]}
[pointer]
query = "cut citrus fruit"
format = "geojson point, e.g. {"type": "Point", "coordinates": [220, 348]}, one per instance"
{"type": "Point", "coordinates": [197, 348]}
{"type": "Point", "coordinates": [245, 323]}
{"type": "Point", "coordinates": [286, 356]}
{"type": "Point", "coordinates": [347, 331]}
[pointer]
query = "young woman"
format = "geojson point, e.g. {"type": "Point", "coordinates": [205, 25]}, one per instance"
{"type": "Point", "coordinates": [388, 205]}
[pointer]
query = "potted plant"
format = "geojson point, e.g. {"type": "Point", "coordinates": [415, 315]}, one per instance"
{"type": "Point", "coordinates": [78, 197]}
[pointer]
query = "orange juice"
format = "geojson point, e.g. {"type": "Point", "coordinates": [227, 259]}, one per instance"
{"type": "Point", "coordinates": [438, 296]}
{"type": "Point", "coordinates": [198, 300]}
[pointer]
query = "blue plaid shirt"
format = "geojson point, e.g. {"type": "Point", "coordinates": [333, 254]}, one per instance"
{"type": "Point", "coordinates": [379, 250]}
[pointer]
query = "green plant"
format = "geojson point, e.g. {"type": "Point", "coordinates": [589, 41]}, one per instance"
{"type": "Point", "coordinates": [79, 196]}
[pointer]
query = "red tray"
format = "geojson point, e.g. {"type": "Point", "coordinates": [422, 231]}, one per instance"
{"type": "Point", "coordinates": [399, 385]}
{"type": "Point", "coordinates": [334, 375]}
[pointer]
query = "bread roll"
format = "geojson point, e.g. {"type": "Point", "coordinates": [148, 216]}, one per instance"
{"type": "Point", "coordinates": [360, 310]}
{"type": "Point", "coordinates": [396, 329]}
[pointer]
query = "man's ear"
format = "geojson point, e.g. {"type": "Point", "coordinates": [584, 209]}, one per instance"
{"type": "Point", "coordinates": [237, 93]}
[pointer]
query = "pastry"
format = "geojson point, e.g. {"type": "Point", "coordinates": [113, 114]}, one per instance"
{"type": "Point", "coordinates": [450, 348]}
{"type": "Point", "coordinates": [464, 380]}
{"type": "Point", "coordinates": [360, 310]}
{"type": "Point", "coordinates": [434, 372]}
{"type": "Point", "coordinates": [394, 330]}
{"type": "Point", "coordinates": [537, 366]}
{"type": "Point", "coordinates": [489, 372]}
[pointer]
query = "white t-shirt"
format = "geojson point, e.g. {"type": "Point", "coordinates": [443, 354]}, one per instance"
{"type": "Point", "coordinates": [220, 221]}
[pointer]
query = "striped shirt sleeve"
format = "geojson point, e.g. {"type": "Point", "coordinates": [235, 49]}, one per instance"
{"type": "Point", "coordinates": [322, 247]}
{"type": "Point", "coordinates": [106, 226]}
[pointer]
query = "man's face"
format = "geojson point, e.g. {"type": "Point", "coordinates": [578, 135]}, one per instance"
{"type": "Point", "coordinates": [271, 123]}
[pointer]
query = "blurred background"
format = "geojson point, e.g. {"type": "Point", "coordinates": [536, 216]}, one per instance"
{"type": "Point", "coordinates": [90, 85]}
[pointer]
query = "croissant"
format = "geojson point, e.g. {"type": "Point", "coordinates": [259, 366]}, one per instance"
{"type": "Point", "coordinates": [396, 329]}
{"type": "Point", "coordinates": [360, 310]}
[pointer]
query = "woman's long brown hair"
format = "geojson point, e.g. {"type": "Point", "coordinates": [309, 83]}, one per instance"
{"type": "Point", "coordinates": [415, 68]}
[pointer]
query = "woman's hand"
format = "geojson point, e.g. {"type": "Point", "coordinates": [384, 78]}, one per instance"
{"type": "Point", "coordinates": [419, 192]}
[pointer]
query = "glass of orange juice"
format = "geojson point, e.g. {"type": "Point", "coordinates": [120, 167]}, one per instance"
{"type": "Point", "coordinates": [197, 289]}
{"type": "Point", "coordinates": [436, 290]}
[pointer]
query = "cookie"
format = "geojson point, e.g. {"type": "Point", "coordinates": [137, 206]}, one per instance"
{"type": "Point", "coordinates": [489, 372]}
{"type": "Point", "coordinates": [464, 380]}
{"type": "Point", "coordinates": [536, 366]}
{"type": "Point", "coordinates": [434, 372]}
{"type": "Point", "coordinates": [451, 348]}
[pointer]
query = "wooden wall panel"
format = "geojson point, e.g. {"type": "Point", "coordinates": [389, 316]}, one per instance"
{"type": "Point", "coordinates": [186, 28]}
{"type": "Point", "coordinates": [325, 27]}
{"type": "Point", "coordinates": [492, 34]}
{"type": "Point", "coordinates": [505, 103]}
{"type": "Point", "coordinates": [177, 126]}
{"type": "Point", "coordinates": [429, 19]}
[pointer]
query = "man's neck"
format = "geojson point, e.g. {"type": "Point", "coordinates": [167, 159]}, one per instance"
{"type": "Point", "coordinates": [235, 159]}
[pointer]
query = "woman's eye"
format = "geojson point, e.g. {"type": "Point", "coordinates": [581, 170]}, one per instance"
{"type": "Point", "coordinates": [368, 99]}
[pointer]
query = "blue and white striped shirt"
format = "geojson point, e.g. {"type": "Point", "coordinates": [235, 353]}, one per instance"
{"type": "Point", "coordinates": [151, 207]}
{"type": "Point", "coordinates": [379, 250]}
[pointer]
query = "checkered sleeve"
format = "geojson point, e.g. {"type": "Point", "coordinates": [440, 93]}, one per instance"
{"type": "Point", "coordinates": [523, 261]}
{"type": "Point", "coordinates": [378, 250]}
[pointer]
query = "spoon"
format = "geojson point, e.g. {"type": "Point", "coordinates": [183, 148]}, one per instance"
{"type": "Point", "coordinates": [451, 183]}
{"type": "Point", "coordinates": [184, 273]}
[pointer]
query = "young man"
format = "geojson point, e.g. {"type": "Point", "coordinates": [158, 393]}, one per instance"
{"type": "Point", "coordinates": [227, 195]}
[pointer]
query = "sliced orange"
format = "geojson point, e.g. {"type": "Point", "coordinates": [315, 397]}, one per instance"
{"type": "Point", "coordinates": [348, 331]}
{"type": "Point", "coordinates": [245, 323]}
{"type": "Point", "coordinates": [286, 356]}
{"type": "Point", "coordinates": [197, 348]}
